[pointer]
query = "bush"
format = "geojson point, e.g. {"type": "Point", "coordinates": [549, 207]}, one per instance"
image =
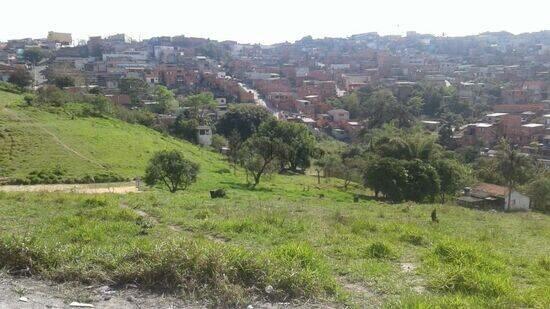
{"type": "Point", "coordinates": [11, 88]}
{"type": "Point", "coordinates": [380, 250]}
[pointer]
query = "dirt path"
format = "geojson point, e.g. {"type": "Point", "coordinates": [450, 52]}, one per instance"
{"type": "Point", "coordinates": [117, 188]}
{"type": "Point", "coordinates": [67, 147]}
{"type": "Point", "coordinates": [28, 293]}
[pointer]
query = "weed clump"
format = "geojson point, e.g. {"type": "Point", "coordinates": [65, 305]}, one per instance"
{"type": "Point", "coordinates": [380, 250]}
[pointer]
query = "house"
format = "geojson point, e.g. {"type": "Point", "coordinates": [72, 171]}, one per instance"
{"type": "Point", "coordinates": [61, 38]}
{"type": "Point", "coordinates": [204, 135]}
{"type": "Point", "coordinates": [477, 133]}
{"type": "Point", "coordinates": [489, 196]}
{"type": "Point", "coordinates": [519, 108]}
{"type": "Point", "coordinates": [339, 114]}
{"type": "Point", "coordinates": [431, 125]}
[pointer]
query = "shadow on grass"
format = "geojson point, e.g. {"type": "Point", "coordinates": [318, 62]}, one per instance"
{"type": "Point", "coordinates": [244, 187]}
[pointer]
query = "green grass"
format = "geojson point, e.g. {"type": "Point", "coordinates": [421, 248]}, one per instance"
{"type": "Point", "coordinates": [231, 250]}
{"type": "Point", "coordinates": [34, 140]}
{"type": "Point", "coordinates": [289, 239]}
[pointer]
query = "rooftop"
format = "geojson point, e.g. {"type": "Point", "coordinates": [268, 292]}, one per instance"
{"type": "Point", "coordinates": [533, 125]}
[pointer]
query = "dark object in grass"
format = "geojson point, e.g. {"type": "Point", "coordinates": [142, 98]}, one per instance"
{"type": "Point", "coordinates": [321, 195]}
{"type": "Point", "coordinates": [434, 216]}
{"type": "Point", "coordinates": [356, 198]}
{"type": "Point", "coordinates": [220, 193]}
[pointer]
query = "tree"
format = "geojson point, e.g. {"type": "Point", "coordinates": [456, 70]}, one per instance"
{"type": "Point", "coordinates": [387, 176]}
{"type": "Point", "coordinates": [33, 55]}
{"type": "Point", "coordinates": [167, 102]}
{"type": "Point", "coordinates": [170, 168]}
{"type": "Point", "coordinates": [380, 106]}
{"type": "Point", "coordinates": [218, 142]}
{"type": "Point", "coordinates": [200, 104]}
{"type": "Point", "coordinates": [539, 192]}
{"type": "Point", "coordinates": [352, 170]}
{"type": "Point", "coordinates": [63, 81]}
{"type": "Point", "coordinates": [422, 181]}
{"type": "Point", "coordinates": [135, 88]}
{"type": "Point", "coordinates": [259, 155]}
{"type": "Point", "coordinates": [21, 78]}
{"type": "Point", "coordinates": [453, 176]}
{"type": "Point", "coordinates": [445, 138]}
{"type": "Point", "coordinates": [297, 142]}
{"type": "Point", "coordinates": [245, 119]}
{"type": "Point", "coordinates": [514, 167]}
{"type": "Point", "coordinates": [185, 128]}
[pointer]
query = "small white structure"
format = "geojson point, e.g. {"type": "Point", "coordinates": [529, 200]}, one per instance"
{"type": "Point", "coordinates": [518, 202]}
{"type": "Point", "coordinates": [204, 135]}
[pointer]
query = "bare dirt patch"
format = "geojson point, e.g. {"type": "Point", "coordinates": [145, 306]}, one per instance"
{"type": "Point", "coordinates": [115, 188]}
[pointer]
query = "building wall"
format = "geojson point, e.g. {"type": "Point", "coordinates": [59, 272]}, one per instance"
{"type": "Point", "coordinates": [519, 202]}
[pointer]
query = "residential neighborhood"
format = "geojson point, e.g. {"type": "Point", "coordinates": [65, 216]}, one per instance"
{"type": "Point", "coordinates": [274, 154]}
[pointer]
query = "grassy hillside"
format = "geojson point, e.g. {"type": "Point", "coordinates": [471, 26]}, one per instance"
{"type": "Point", "coordinates": [290, 239]}
{"type": "Point", "coordinates": [33, 140]}
{"type": "Point", "coordinates": [230, 250]}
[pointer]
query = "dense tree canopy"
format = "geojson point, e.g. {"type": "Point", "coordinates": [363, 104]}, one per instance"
{"type": "Point", "coordinates": [21, 78]}
{"type": "Point", "coordinates": [172, 170]}
{"type": "Point", "coordinates": [245, 119]}
{"type": "Point", "coordinates": [134, 87]}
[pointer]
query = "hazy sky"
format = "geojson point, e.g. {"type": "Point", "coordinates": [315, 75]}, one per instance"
{"type": "Point", "coordinates": [268, 21]}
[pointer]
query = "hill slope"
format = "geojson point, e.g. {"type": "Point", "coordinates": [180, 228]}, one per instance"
{"type": "Point", "coordinates": [289, 239]}
{"type": "Point", "coordinates": [32, 139]}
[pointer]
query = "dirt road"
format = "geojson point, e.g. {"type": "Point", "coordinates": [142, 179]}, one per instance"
{"type": "Point", "coordinates": [117, 188]}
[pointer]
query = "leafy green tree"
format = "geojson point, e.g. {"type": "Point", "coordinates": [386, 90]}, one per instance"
{"type": "Point", "coordinates": [51, 95]}
{"type": "Point", "coordinates": [259, 155]}
{"type": "Point", "coordinates": [218, 142]}
{"type": "Point", "coordinates": [445, 138]}
{"type": "Point", "coordinates": [170, 168]}
{"type": "Point", "coordinates": [63, 81]}
{"type": "Point", "coordinates": [381, 108]}
{"type": "Point", "coordinates": [102, 105]}
{"type": "Point", "coordinates": [245, 119]}
{"type": "Point", "coordinates": [186, 128]}
{"type": "Point", "coordinates": [414, 105]}
{"type": "Point", "coordinates": [33, 55]}
{"type": "Point", "coordinates": [539, 192]}
{"type": "Point", "coordinates": [199, 105]}
{"type": "Point", "coordinates": [422, 181]}
{"type": "Point", "coordinates": [166, 99]}
{"type": "Point", "coordinates": [297, 142]}
{"type": "Point", "coordinates": [387, 176]}
{"type": "Point", "coordinates": [404, 145]}
{"type": "Point", "coordinates": [21, 78]}
{"type": "Point", "coordinates": [453, 177]}
{"type": "Point", "coordinates": [134, 87]}
{"type": "Point", "coordinates": [515, 167]}
{"type": "Point", "coordinates": [433, 98]}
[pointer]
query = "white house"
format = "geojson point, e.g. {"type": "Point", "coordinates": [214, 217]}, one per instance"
{"type": "Point", "coordinates": [489, 196]}
{"type": "Point", "coordinates": [518, 202]}
{"type": "Point", "coordinates": [204, 135]}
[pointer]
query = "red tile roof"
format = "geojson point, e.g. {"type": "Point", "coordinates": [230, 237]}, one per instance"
{"type": "Point", "coordinates": [490, 189]}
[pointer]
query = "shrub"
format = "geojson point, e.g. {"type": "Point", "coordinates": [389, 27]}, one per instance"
{"type": "Point", "coordinates": [380, 250]}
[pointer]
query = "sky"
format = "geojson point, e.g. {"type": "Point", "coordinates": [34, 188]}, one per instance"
{"type": "Point", "coordinates": [268, 21]}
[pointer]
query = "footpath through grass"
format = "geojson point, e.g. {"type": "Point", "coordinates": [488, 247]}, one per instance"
{"type": "Point", "coordinates": [263, 245]}
{"type": "Point", "coordinates": [33, 140]}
